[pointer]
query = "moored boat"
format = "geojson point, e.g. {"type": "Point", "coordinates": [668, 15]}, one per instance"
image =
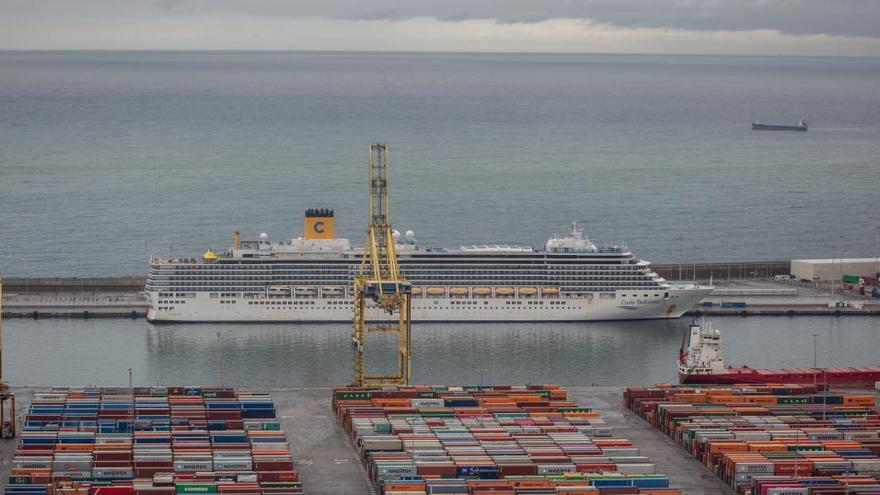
{"type": "Point", "coordinates": [309, 278]}
{"type": "Point", "coordinates": [701, 361]}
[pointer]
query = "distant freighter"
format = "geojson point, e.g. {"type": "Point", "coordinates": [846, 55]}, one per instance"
{"type": "Point", "coordinates": [701, 361]}
{"type": "Point", "coordinates": [800, 126]}
{"type": "Point", "coordinates": [309, 279]}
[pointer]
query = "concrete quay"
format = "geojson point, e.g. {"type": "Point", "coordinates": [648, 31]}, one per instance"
{"type": "Point", "coordinates": [328, 465]}
{"type": "Point", "coordinates": [767, 297]}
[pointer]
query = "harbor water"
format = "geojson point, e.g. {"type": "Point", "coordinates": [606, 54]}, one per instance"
{"type": "Point", "coordinates": [100, 352]}
{"type": "Point", "coordinates": [108, 157]}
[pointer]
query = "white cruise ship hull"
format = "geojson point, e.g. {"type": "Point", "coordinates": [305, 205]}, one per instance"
{"type": "Point", "coordinates": [202, 307]}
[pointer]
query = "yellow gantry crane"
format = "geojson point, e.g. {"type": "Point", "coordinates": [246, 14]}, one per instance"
{"type": "Point", "coordinates": [7, 398]}
{"type": "Point", "coordinates": [379, 285]}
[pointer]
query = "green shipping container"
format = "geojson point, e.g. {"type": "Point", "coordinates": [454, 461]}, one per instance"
{"type": "Point", "coordinates": [195, 488]}
{"type": "Point", "coordinates": [851, 279]}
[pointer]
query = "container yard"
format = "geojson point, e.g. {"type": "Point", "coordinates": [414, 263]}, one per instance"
{"type": "Point", "coordinates": [151, 441]}
{"type": "Point", "coordinates": [771, 440]}
{"type": "Point", "coordinates": [327, 462]}
{"type": "Point", "coordinates": [501, 439]}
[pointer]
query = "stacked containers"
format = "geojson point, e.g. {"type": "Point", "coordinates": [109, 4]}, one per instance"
{"type": "Point", "coordinates": [154, 441]}
{"type": "Point", "coordinates": [469, 440]}
{"type": "Point", "coordinates": [771, 435]}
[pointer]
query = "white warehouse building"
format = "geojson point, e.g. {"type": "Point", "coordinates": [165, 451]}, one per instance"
{"type": "Point", "coordinates": [834, 269]}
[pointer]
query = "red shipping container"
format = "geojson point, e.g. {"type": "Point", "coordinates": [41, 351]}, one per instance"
{"type": "Point", "coordinates": [111, 490]}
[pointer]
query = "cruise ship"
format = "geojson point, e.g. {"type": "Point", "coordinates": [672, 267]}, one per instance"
{"type": "Point", "coordinates": [309, 279]}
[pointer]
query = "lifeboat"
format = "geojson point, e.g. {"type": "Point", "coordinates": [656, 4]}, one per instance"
{"type": "Point", "coordinates": [333, 290]}
{"type": "Point", "coordinates": [436, 291]}
{"type": "Point", "coordinates": [549, 291]}
{"type": "Point", "coordinates": [482, 291]}
{"type": "Point", "coordinates": [504, 291]}
{"type": "Point", "coordinates": [210, 256]}
{"type": "Point", "coordinates": [279, 290]}
{"type": "Point", "coordinates": [417, 291]}
{"type": "Point", "coordinates": [527, 291]}
{"type": "Point", "coordinates": [458, 291]}
{"type": "Point", "coordinates": [308, 290]}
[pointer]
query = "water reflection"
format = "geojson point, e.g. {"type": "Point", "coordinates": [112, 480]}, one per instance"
{"type": "Point", "coordinates": [78, 352]}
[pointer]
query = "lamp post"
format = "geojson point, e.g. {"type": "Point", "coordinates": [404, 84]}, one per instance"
{"type": "Point", "coordinates": [815, 379]}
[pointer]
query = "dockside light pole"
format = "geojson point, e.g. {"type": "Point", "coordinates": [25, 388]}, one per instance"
{"type": "Point", "coordinates": [815, 379]}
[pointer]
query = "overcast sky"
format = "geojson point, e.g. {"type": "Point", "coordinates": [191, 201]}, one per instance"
{"type": "Point", "coordinates": [763, 27]}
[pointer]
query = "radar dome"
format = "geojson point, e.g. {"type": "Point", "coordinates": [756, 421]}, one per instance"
{"type": "Point", "coordinates": [264, 236]}
{"type": "Point", "coordinates": [410, 234]}
{"type": "Point", "coordinates": [395, 234]}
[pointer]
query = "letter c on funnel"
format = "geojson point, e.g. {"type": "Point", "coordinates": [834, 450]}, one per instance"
{"type": "Point", "coordinates": [318, 227]}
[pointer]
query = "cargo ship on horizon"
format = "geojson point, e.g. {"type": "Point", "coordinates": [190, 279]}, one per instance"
{"type": "Point", "coordinates": [309, 279]}
{"type": "Point", "coordinates": [800, 126]}
{"type": "Point", "coordinates": [701, 361]}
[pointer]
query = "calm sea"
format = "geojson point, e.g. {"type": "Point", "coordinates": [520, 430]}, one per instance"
{"type": "Point", "coordinates": [106, 158]}
{"type": "Point", "coordinates": [99, 352]}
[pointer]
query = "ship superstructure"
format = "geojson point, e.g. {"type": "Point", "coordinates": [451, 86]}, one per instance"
{"type": "Point", "coordinates": [310, 278]}
{"type": "Point", "coordinates": [701, 361]}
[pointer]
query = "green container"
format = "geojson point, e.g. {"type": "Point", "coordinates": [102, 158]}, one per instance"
{"type": "Point", "coordinates": [208, 394]}
{"type": "Point", "coordinates": [382, 427]}
{"type": "Point", "coordinates": [195, 488]}
{"type": "Point", "coordinates": [272, 425]}
{"type": "Point", "coordinates": [793, 400]}
{"type": "Point", "coordinates": [438, 414]}
{"type": "Point", "coordinates": [782, 455]}
{"type": "Point", "coordinates": [851, 279]}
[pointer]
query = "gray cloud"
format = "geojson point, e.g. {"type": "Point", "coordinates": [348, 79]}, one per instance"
{"type": "Point", "coordinates": [834, 17]}
{"type": "Point", "coordinates": [799, 17]}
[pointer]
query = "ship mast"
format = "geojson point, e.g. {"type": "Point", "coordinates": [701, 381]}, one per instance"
{"type": "Point", "coordinates": [380, 285]}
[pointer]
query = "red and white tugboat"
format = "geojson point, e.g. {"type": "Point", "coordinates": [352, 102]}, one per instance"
{"type": "Point", "coordinates": [702, 361]}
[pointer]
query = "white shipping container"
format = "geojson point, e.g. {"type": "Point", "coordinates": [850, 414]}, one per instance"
{"type": "Point", "coordinates": [394, 472]}
{"type": "Point", "coordinates": [832, 465]}
{"type": "Point", "coordinates": [754, 467]}
{"type": "Point", "coordinates": [866, 465]}
{"type": "Point", "coordinates": [550, 469]}
{"type": "Point", "coordinates": [382, 442]}
{"type": "Point", "coordinates": [193, 465]}
{"type": "Point", "coordinates": [642, 468]}
{"type": "Point", "coordinates": [232, 465]}
{"type": "Point", "coordinates": [113, 472]}
{"type": "Point", "coordinates": [29, 462]}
